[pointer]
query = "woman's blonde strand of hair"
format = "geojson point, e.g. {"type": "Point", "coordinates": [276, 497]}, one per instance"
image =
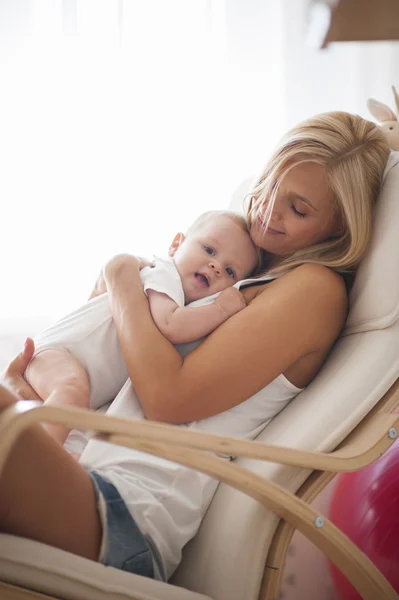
{"type": "Point", "coordinates": [354, 153]}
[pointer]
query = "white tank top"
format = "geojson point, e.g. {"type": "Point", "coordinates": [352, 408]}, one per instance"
{"type": "Point", "coordinates": [167, 500]}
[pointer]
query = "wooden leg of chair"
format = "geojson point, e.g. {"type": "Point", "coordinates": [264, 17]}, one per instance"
{"type": "Point", "coordinates": [273, 574]}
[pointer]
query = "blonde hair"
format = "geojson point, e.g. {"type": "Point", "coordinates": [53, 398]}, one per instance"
{"type": "Point", "coordinates": [353, 152]}
{"type": "Point", "coordinates": [210, 215]}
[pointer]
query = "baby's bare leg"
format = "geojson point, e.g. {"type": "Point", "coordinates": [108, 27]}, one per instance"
{"type": "Point", "coordinates": [59, 378]}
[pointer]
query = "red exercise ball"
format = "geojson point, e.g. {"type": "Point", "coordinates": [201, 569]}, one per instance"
{"type": "Point", "coordinates": [365, 506]}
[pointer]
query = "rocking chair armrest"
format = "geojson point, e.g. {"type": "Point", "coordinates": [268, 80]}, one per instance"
{"type": "Point", "coordinates": [366, 446]}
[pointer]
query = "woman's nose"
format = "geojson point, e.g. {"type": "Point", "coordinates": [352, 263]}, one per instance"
{"type": "Point", "coordinates": [276, 213]}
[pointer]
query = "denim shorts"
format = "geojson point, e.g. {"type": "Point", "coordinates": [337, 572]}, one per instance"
{"type": "Point", "coordinates": [124, 546]}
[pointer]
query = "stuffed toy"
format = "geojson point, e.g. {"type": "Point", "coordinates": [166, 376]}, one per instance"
{"type": "Point", "coordinates": [387, 118]}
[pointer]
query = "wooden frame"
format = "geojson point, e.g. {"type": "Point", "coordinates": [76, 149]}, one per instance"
{"type": "Point", "coordinates": [369, 440]}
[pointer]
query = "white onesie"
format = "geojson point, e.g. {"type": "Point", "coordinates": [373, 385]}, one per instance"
{"type": "Point", "coordinates": [90, 335]}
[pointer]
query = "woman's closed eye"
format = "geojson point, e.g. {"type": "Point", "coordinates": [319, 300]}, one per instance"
{"type": "Point", "coordinates": [297, 212]}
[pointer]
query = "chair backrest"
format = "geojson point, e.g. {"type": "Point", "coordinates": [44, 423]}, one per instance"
{"type": "Point", "coordinates": [374, 300]}
{"type": "Point", "coordinates": [227, 557]}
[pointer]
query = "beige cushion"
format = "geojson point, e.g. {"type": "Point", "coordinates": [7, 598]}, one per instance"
{"type": "Point", "coordinates": [54, 572]}
{"type": "Point", "coordinates": [375, 294]}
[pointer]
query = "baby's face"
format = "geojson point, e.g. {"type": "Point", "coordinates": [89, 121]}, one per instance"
{"type": "Point", "coordinates": [213, 257]}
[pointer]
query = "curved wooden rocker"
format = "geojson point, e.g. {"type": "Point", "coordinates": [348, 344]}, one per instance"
{"type": "Point", "coordinates": [361, 448]}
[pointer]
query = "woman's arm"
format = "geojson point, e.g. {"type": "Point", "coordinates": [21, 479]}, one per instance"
{"type": "Point", "coordinates": [100, 287]}
{"type": "Point", "coordinates": [294, 318]}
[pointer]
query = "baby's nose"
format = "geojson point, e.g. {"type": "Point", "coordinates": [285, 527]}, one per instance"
{"type": "Point", "coordinates": [215, 268]}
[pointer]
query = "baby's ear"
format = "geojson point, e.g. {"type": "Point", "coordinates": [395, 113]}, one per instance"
{"type": "Point", "coordinates": [175, 245]}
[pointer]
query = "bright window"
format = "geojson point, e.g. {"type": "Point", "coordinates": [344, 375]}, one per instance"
{"type": "Point", "coordinates": [120, 121]}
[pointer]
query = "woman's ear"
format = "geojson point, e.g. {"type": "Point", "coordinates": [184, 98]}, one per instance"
{"type": "Point", "coordinates": [175, 245]}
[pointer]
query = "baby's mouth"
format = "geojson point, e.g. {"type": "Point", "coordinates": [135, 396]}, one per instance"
{"type": "Point", "coordinates": [203, 280]}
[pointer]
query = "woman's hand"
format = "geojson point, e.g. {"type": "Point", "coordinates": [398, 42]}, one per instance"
{"type": "Point", "coordinates": [123, 269]}
{"type": "Point", "coordinates": [14, 374]}
{"type": "Point", "coordinates": [115, 267]}
{"type": "Point", "coordinates": [119, 263]}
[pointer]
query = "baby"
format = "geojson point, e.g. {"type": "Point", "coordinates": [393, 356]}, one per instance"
{"type": "Point", "coordinates": [79, 362]}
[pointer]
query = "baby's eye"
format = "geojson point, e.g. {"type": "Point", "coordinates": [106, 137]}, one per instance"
{"type": "Point", "coordinates": [209, 250]}
{"type": "Point", "coordinates": [230, 272]}
{"type": "Point", "coordinates": [299, 214]}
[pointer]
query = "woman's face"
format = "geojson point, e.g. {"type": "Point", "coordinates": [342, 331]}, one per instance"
{"type": "Point", "coordinates": [303, 213]}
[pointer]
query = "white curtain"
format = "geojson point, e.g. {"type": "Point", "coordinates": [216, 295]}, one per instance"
{"type": "Point", "coordinates": [121, 120]}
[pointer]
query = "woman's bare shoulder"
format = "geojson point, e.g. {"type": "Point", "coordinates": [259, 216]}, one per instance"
{"type": "Point", "coordinates": [313, 293]}
{"type": "Point", "coordinates": [317, 280]}
{"type": "Point", "coordinates": [319, 296]}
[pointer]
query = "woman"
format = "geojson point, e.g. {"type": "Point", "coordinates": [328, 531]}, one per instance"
{"type": "Point", "coordinates": [311, 214]}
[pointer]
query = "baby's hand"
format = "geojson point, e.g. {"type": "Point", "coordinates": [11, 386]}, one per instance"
{"type": "Point", "coordinates": [231, 301]}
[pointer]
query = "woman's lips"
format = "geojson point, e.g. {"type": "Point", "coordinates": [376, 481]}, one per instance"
{"type": "Point", "coordinates": [274, 231]}
{"type": "Point", "coordinates": [271, 230]}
